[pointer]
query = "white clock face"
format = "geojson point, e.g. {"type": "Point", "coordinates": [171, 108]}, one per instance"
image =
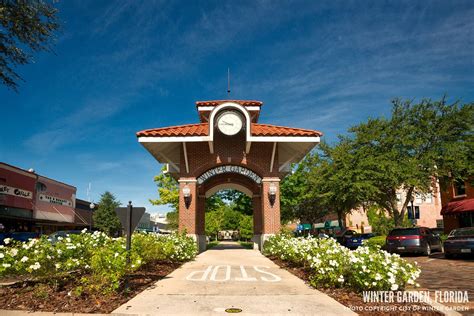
{"type": "Point", "coordinates": [229, 123]}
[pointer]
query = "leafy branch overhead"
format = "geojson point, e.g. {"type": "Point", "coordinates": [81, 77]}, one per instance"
{"type": "Point", "coordinates": [25, 27]}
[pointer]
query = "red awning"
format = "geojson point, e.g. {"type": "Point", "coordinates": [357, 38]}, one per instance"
{"type": "Point", "coordinates": [466, 205]}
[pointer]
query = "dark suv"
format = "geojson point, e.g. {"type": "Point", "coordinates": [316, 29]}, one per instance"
{"type": "Point", "coordinates": [413, 240]}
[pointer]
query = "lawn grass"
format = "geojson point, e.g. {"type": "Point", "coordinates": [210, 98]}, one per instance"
{"type": "Point", "coordinates": [212, 244]}
{"type": "Point", "coordinates": [246, 244]}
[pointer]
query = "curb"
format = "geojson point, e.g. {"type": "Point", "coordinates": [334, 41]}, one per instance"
{"type": "Point", "coordinates": [8, 312]}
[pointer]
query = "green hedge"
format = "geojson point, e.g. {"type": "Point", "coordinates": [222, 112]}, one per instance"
{"type": "Point", "coordinates": [375, 242]}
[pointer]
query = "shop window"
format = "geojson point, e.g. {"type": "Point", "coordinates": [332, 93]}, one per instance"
{"type": "Point", "coordinates": [418, 198]}
{"type": "Point", "coordinates": [40, 187]}
{"type": "Point", "coordinates": [429, 198]}
{"type": "Point", "coordinates": [466, 219]}
{"type": "Point", "coordinates": [459, 188]}
{"type": "Point", "coordinates": [439, 223]}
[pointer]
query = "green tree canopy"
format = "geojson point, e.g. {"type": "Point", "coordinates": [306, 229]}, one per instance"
{"type": "Point", "coordinates": [418, 142]}
{"type": "Point", "coordinates": [26, 27]}
{"type": "Point", "coordinates": [296, 200]}
{"type": "Point", "coordinates": [105, 217]}
{"type": "Point", "coordinates": [214, 222]}
{"type": "Point", "coordinates": [246, 227]}
{"type": "Point", "coordinates": [168, 194]}
{"type": "Point", "coordinates": [168, 190]}
{"type": "Point", "coordinates": [336, 184]}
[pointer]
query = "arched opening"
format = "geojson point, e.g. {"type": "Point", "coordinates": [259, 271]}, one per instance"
{"type": "Point", "coordinates": [229, 214]}
{"type": "Point", "coordinates": [231, 208]}
{"type": "Point", "coordinates": [264, 192]}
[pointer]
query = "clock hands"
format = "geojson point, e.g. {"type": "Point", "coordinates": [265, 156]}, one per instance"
{"type": "Point", "coordinates": [225, 123]}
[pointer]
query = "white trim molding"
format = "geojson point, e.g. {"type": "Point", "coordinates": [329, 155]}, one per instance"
{"type": "Point", "coordinates": [172, 139]}
{"type": "Point", "coordinates": [271, 179]}
{"type": "Point", "coordinates": [268, 139]}
{"type": "Point", "coordinates": [187, 180]}
{"type": "Point", "coordinates": [231, 105]}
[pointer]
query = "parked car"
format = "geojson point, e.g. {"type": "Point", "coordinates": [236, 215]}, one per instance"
{"type": "Point", "coordinates": [459, 242]}
{"type": "Point", "coordinates": [54, 237]}
{"type": "Point", "coordinates": [344, 235]}
{"type": "Point", "coordinates": [413, 240]}
{"type": "Point", "coordinates": [18, 236]}
{"type": "Point", "coordinates": [357, 240]}
{"type": "Point", "coordinates": [437, 230]}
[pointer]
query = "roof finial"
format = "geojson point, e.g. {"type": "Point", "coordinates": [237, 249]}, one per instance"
{"type": "Point", "coordinates": [228, 82]}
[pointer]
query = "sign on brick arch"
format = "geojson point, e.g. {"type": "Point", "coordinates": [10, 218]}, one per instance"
{"type": "Point", "coordinates": [229, 169]}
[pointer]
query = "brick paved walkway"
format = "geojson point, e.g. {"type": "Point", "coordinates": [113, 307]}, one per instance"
{"type": "Point", "coordinates": [438, 274]}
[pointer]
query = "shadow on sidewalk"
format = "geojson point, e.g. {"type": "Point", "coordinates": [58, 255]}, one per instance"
{"type": "Point", "coordinates": [227, 245]}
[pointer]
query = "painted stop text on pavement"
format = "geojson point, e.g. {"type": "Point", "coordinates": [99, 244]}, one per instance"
{"type": "Point", "coordinates": [223, 273]}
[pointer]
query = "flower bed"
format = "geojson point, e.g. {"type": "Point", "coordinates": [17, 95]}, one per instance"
{"type": "Point", "coordinates": [101, 258]}
{"type": "Point", "coordinates": [332, 265]}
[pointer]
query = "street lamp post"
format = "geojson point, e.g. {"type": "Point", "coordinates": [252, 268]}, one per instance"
{"type": "Point", "coordinates": [92, 206]}
{"type": "Point", "coordinates": [272, 190]}
{"type": "Point", "coordinates": [412, 210]}
{"type": "Point", "coordinates": [187, 196]}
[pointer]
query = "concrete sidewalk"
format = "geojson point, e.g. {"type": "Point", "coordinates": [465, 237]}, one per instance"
{"type": "Point", "coordinates": [230, 276]}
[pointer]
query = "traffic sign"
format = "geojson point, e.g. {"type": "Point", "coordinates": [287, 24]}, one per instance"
{"type": "Point", "coordinates": [137, 213]}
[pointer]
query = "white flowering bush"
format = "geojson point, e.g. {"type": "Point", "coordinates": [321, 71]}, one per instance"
{"type": "Point", "coordinates": [102, 257]}
{"type": "Point", "coordinates": [332, 265]}
{"type": "Point", "coordinates": [375, 269]}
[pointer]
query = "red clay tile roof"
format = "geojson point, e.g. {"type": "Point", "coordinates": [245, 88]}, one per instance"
{"type": "Point", "coordinates": [241, 102]}
{"type": "Point", "coordinates": [201, 129]}
{"type": "Point", "coordinates": [181, 130]}
{"type": "Point", "coordinates": [273, 130]}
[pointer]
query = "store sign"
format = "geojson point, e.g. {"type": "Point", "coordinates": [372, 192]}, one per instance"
{"type": "Point", "coordinates": [54, 200]}
{"type": "Point", "coordinates": [228, 169]}
{"type": "Point", "coordinates": [5, 189]}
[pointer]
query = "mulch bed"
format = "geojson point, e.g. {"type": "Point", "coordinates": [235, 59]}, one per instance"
{"type": "Point", "coordinates": [348, 297]}
{"type": "Point", "coordinates": [66, 295]}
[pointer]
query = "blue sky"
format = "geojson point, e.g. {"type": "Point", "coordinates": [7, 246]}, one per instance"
{"type": "Point", "coordinates": [123, 66]}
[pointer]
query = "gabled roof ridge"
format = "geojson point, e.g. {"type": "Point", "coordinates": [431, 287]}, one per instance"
{"type": "Point", "coordinates": [241, 102]}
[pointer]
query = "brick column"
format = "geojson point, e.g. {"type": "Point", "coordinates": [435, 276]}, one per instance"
{"type": "Point", "coordinates": [190, 219]}
{"type": "Point", "coordinates": [257, 221]}
{"type": "Point", "coordinates": [200, 216]}
{"type": "Point", "coordinates": [270, 213]}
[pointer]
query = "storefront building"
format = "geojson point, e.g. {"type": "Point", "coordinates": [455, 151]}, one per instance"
{"type": "Point", "coordinates": [17, 198]}
{"type": "Point", "coordinates": [458, 204]}
{"type": "Point", "coordinates": [33, 203]}
{"type": "Point", "coordinates": [427, 213]}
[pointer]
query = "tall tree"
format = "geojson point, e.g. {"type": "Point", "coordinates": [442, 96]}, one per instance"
{"type": "Point", "coordinates": [420, 141]}
{"type": "Point", "coordinates": [335, 183]}
{"type": "Point", "coordinates": [26, 27]}
{"type": "Point", "coordinates": [168, 194]}
{"type": "Point", "coordinates": [246, 227]}
{"type": "Point", "coordinates": [298, 199]}
{"type": "Point", "coordinates": [105, 217]}
{"type": "Point", "coordinates": [214, 222]}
